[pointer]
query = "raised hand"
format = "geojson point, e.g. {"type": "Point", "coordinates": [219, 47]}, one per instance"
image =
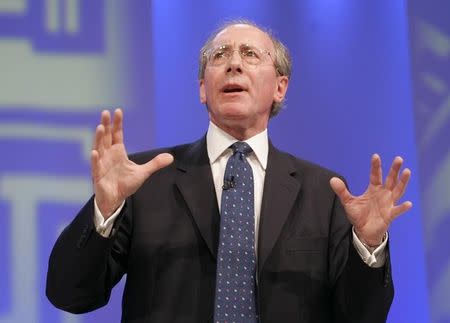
{"type": "Point", "coordinates": [116, 177]}
{"type": "Point", "coordinates": [372, 212]}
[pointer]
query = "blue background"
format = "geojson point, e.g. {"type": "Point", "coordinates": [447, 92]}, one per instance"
{"type": "Point", "coordinates": [368, 77]}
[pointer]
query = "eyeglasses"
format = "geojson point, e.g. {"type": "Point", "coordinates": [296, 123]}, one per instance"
{"type": "Point", "coordinates": [251, 55]}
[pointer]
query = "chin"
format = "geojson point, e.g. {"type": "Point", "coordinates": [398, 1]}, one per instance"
{"type": "Point", "coordinates": [234, 111]}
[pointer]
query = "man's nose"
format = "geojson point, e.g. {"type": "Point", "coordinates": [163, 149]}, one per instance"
{"type": "Point", "coordinates": [235, 62]}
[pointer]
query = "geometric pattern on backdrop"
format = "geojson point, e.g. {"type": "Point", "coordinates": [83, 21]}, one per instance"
{"type": "Point", "coordinates": [430, 44]}
{"type": "Point", "coordinates": [61, 62]}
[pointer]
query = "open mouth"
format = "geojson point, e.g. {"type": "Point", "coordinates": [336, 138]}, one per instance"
{"type": "Point", "coordinates": [233, 88]}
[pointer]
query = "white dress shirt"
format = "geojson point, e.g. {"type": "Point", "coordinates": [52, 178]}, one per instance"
{"type": "Point", "coordinates": [217, 144]}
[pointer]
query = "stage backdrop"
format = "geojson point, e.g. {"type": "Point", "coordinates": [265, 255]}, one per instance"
{"type": "Point", "coordinates": [63, 61]}
{"type": "Point", "coordinates": [430, 52]}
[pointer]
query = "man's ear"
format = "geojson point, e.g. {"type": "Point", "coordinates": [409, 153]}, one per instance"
{"type": "Point", "coordinates": [281, 89]}
{"type": "Point", "coordinates": [202, 91]}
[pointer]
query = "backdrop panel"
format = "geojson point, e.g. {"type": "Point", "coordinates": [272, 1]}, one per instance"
{"type": "Point", "coordinates": [63, 61]}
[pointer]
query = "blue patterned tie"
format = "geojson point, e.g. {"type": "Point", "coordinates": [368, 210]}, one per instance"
{"type": "Point", "coordinates": [236, 263]}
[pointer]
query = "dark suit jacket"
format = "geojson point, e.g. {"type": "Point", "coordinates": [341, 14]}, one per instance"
{"type": "Point", "coordinates": [166, 238]}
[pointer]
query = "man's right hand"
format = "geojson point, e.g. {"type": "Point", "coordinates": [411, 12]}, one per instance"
{"type": "Point", "coordinates": [116, 177]}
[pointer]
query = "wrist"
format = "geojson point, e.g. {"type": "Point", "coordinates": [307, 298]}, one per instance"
{"type": "Point", "coordinates": [105, 209]}
{"type": "Point", "coordinates": [372, 244]}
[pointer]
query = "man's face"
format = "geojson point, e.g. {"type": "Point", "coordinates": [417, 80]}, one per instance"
{"type": "Point", "coordinates": [239, 94]}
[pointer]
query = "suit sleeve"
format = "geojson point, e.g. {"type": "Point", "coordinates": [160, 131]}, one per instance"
{"type": "Point", "coordinates": [84, 266]}
{"type": "Point", "coordinates": [360, 293]}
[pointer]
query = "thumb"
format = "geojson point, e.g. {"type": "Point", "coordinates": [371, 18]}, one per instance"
{"type": "Point", "coordinates": [160, 161]}
{"type": "Point", "coordinates": [338, 186]}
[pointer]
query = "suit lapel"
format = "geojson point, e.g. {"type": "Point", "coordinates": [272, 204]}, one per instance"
{"type": "Point", "coordinates": [196, 185]}
{"type": "Point", "coordinates": [280, 192]}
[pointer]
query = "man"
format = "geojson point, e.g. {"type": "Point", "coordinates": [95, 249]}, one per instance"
{"type": "Point", "coordinates": [228, 228]}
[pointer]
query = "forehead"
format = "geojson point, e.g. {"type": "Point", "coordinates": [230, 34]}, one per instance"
{"type": "Point", "coordinates": [243, 34]}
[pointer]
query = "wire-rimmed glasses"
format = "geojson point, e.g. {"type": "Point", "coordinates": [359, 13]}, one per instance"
{"type": "Point", "coordinates": [251, 55]}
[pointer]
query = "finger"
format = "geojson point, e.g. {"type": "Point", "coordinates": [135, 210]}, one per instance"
{"type": "Point", "coordinates": [376, 173]}
{"type": "Point", "coordinates": [95, 159]}
{"type": "Point", "coordinates": [106, 122]}
{"type": "Point", "coordinates": [98, 140]}
{"type": "Point", "coordinates": [391, 179]}
{"type": "Point", "coordinates": [400, 209]}
{"type": "Point", "coordinates": [117, 130]}
{"type": "Point", "coordinates": [338, 186]}
{"type": "Point", "coordinates": [400, 188]}
{"type": "Point", "coordinates": [160, 161]}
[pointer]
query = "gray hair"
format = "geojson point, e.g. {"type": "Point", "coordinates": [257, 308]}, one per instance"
{"type": "Point", "coordinates": [282, 59]}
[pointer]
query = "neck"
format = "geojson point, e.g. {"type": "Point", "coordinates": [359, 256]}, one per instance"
{"type": "Point", "coordinates": [240, 133]}
{"type": "Point", "coordinates": [242, 129]}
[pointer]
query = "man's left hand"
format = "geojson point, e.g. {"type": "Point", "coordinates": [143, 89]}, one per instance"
{"type": "Point", "coordinates": [372, 212]}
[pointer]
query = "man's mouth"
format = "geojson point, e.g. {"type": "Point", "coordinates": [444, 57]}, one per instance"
{"type": "Point", "coordinates": [233, 88]}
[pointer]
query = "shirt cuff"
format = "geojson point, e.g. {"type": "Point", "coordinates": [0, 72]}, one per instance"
{"type": "Point", "coordinates": [375, 258]}
{"type": "Point", "coordinates": [102, 226]}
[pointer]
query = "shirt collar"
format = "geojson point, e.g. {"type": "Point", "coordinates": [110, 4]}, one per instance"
{"type": "Point", "coordinates": [217, 141]}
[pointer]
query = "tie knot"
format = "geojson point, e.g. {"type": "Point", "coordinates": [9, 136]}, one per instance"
{"type": "Point", "coordinates": [241, 147]}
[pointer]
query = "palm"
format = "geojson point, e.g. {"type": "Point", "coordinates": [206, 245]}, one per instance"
{"type": "Point", "coordinates": [116, 177]}
{"type": "Point", "coordinates": [372, 212]}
